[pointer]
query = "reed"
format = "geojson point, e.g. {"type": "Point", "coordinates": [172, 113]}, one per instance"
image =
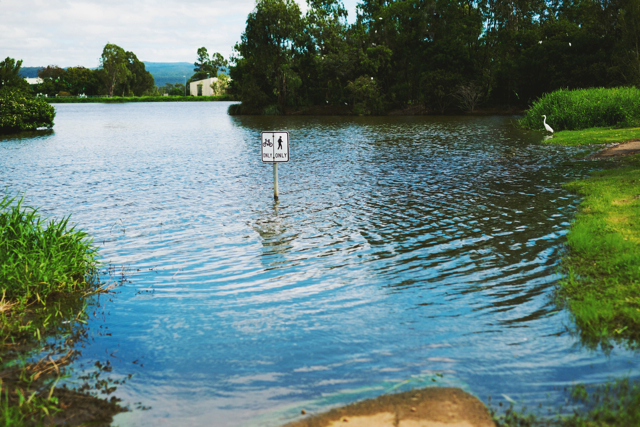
{"type": "Point", "coordinates": [40, 257]}
{"type": "Point", "coordinates": [585, 108]}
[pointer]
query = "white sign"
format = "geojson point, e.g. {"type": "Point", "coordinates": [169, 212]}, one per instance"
{"type": "Point", "coordinates": [275, 147]}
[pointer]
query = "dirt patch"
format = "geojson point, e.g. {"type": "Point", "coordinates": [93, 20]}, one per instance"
{"type": "Point", "coordinates": [80, 409]}
{"type": "Point", "coordinates": [618, 150]}
{"type": "Point", "coordinates": [429, 407]}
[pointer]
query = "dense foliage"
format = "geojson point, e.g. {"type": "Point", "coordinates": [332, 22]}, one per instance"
{"type": "Point", "coordinates": [440, 54]}
{"type": "Point", "coordinates": [20, 111]}
{"type": "Point", "coordinates": [10, 75]}
{"type": "Point", "coordinates": [585, 108]}
{"type": "Point", "coordinates": [39, 257]}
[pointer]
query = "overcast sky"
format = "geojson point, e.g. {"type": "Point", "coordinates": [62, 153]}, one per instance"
{"type": "Point", "coordinates": [69, 33]}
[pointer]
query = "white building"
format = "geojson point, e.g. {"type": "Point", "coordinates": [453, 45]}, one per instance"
{"type": "Point", "coordinates": [33, 81]}
{"type": "Point", "coordinates": [202, 87]}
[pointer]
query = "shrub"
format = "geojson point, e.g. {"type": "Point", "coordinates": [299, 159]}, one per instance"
{"type": "Point", "coordinates": [38, 257]}
{"type": "Point", "coordinates": [19, 111]}
{"type": "Point", "coordinates": [585, 108]}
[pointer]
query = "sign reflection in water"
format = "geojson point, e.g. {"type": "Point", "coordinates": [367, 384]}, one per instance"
{"type": "Point", "coordinates": [402, 247]}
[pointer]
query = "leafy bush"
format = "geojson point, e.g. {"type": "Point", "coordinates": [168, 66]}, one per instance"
{"type": "Point", "coordinates": [585, 108]}
{"type": "Point", "coordinates": [19, 112]}
{"type": "Point", "coordinates": [38, 258]}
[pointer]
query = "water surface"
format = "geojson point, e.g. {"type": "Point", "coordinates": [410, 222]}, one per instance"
{"type": "Point", "coordinates": [401, 247]}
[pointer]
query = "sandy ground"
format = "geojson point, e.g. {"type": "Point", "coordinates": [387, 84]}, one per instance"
{"type": "Point", "coordinates": [623, 149]}
{"type": "Point", "coordinates": [429, 407]}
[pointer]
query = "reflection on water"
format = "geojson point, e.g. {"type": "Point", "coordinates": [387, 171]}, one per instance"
{"type": "Point", "coordinates": [401, 247]}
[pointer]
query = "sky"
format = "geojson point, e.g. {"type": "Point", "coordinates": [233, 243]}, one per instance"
{"type": "Point", "coordinates": [70, 33]}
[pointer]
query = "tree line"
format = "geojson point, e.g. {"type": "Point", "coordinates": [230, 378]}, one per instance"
{"type": "Point", "coordinates": [120, 74]}
{"type": "Point", "coordinates": [433, 54]}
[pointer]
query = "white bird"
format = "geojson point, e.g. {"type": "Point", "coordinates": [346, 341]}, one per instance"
{"type": "Point", "coordinates": [546, 126]}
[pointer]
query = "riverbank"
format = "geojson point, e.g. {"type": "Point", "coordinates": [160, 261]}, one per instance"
{"type": "Point", "coordinates": [122, 99]}
{"type": "Point", "coordinates": [48, 269]}
{"type": "Point", "coordinates": [602, 283]}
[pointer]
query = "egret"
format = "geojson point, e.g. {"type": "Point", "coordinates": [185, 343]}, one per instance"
{"type": "Point", "coordinates": [546, 126]}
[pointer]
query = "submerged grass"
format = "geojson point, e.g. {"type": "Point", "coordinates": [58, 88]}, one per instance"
{"type": "Point", "coordinates": [613, 404]}
{"type": "Point", "coordinates": [47, 268]}
{"type": "Point", "coordinates": [585, 108]}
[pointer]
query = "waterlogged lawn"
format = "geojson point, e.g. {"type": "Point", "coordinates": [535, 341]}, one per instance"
{"type": "Point", "coordinates": [603, 284]}
{"type": "Point", "coordinates": [603, 135]}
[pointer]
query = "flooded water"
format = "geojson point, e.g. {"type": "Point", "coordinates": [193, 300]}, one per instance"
{"type": "Point", "coordinates": [401, 247]}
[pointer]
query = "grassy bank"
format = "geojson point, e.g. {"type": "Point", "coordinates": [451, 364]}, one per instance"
{"type": "Point", "coordinates": [47, 268]}
{"type": "Point", "coordinates": [602, 135]}
{"type": "Point", "coordinates": [602, 283]}
{"type": "Point", "coordinates": [121, 99]}
{"type": "Point", "coordinates": [602, 287]}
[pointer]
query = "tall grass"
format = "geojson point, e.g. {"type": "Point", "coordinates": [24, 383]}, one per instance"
{"type": "Point", "coordinates": [585, 108]}
{"type": "Point", "coordinates": [39, 257]}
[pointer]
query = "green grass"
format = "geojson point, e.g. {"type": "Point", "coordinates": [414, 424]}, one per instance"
{"type": "Point", "coordinates": [605, 135]}
{"type": "Point", "coordinates": [613, 404]}
{"type": "Point", "coordinates": [120, 99]}
{"type": "Point", "coordinates": [39, 257]}
{"type": "Point", "coordinates": [585, 108]}
{"type": "Point", "coordinates": [602, 287]}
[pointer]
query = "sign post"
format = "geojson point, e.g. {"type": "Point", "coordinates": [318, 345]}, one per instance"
{"type": "Point", "coordinates": [275, 149]}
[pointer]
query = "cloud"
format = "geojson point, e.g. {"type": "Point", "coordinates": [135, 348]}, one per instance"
{"type": "Point", "coordinates": [68, 33]}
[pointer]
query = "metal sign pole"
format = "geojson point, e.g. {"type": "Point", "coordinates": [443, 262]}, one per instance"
{"type": "Point", "coordinates": [275, 182]}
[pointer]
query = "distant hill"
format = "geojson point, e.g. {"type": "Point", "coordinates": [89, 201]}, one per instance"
{"type": "Point", "coordinates": [169, 72]}
{"type": "Point", "coordinates": [31, 72]}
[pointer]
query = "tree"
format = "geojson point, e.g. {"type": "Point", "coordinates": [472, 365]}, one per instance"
{"type": "Point", "coordinates": [113, 63]}
{"type": "Point", "coordinates": [203, 64]}
{"type": "Point", "coordinates": [53, 80]}
{"type": "Point", "coordinates": [265, 70]}
{"type": "Point", "coordinates": [81, 80]}
{"type": "Point", "coordinates": [10, 75]}
{"type": "Point", "coordinates": [138, 79]}
{"type": "Point", "coordinates": [206, 67]}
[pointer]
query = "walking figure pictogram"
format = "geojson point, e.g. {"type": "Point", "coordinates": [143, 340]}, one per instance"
{"type": "Point", "coordinates": [280, 143]}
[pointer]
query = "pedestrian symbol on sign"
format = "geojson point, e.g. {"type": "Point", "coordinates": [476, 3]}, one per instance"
{"type": "Point", "coordinates": [272, 152]}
